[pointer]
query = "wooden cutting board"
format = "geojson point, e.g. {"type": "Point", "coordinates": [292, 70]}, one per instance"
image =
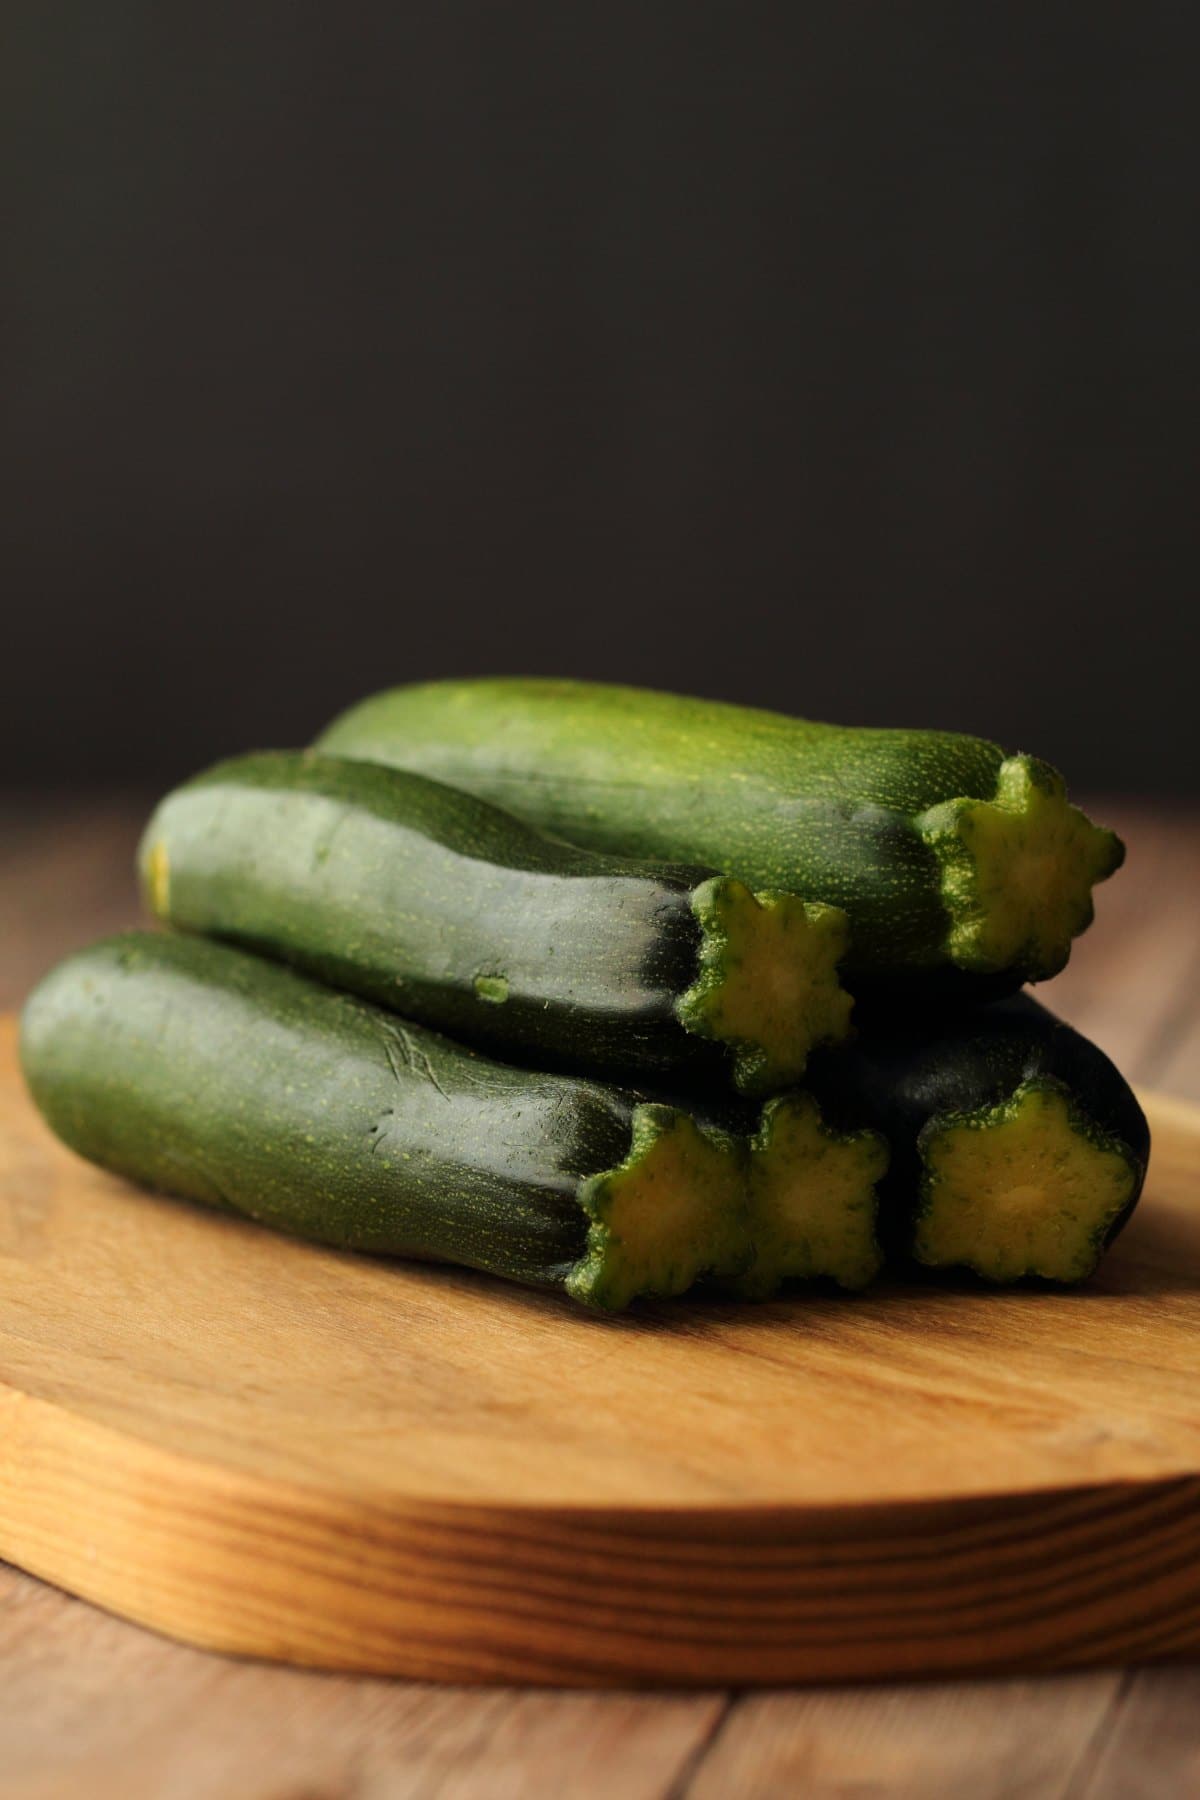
{"type": "Point", "coordinates": [267, 1448]}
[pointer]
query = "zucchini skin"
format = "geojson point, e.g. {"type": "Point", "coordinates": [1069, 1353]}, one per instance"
{"type": "Point", "coordinates": [906, 1082]}
{"type": "Point", "coordinates": [441, 907]}
{"type": "Point", "coordinates": [404, 890]}
{"type": "Point", "coordinates": [864, 820]}
{"type": "Point", "coordinates": [206, 1073]}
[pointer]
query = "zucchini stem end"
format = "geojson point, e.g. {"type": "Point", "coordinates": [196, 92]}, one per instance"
{"type": "Point", "coordinates": [813, 1207]}
{"type": "Point", "coordinates": [767, 985]}
{"type": "Point", "coordinates": [1017, 871]}
{"type": "Point", "coordinates": [1028, 1186]}
{"type": "Point", "coordinates": [674, 1210]}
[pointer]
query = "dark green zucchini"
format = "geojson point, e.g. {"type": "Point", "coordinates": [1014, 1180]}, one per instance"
{"type": "Point", "coordinates": [205, 1072]}
{"type": "Point", "coordinates": [1018, 1149]}
{"type": "Point", "coordinates": [946, 854]}
{"type": "Point", "coordinates": [440, 906]}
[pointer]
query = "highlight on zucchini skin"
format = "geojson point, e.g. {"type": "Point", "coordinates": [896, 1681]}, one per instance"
{"type": "Point", "coordinates": [441, 907]}
{"type": "Point", "coordinates": [204, 1072]}
{"type": "Point", "coordinates": [1018, 1148]}
{"type": "Point", "coordinates": [946, 854]}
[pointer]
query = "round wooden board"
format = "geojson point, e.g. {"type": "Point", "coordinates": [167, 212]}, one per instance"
{"type": "Point", "coordinates": [268, 1448]}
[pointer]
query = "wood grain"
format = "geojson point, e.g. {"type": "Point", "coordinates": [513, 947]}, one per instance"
{"type": "Point", "coordinates": [908, 1742]}
{"type": "Point", "coordinates": [1151, 1747]}
{"type": "Point", "coordinates": [94, 1707]}
{"type": "Point", "coordinates": [265, 1447]}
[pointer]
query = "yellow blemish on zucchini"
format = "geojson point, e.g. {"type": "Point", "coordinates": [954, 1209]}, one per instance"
{"type": "Point", "coordinates": [675, 1209]}
{"type": "Point", "coordinates": [158, 879]}
{"type": "Point", "coordinates": [1026, 1187]}
{"type": "Point", "coordinates": [493, 988]}
{"type": "Point", "coordinates": [1018, 870]}
{"type": "Point", "coordinates": [768, 983]}
{"type": "Point", "coordinates": [812, 1199]}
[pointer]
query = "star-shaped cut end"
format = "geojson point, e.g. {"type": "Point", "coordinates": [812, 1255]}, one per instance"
{"type": "Point", "coordinates": [1028, 1186]}
{"type": "Point", "coordinates": [1017, 871]}
{"type": "Point", "coordinates": [767, 985]}
{"type": "Point", "coordinates": [813, 1206]}
{"type": "Point", "coordinates": [674, 1210]}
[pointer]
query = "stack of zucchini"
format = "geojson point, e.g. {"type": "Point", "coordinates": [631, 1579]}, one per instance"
{"type": "Point", "coordinates": [612, 992]}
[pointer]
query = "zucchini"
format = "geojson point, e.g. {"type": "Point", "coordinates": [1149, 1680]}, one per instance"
{"type": "Point", "coordinates": [1018, 1149]}
{"type": "Point", "coordinates": [946, 854]}
{"type": "Point", "coordinates": [208, 1073]}
{"type": "Point", "coordinates": [812, 1199]}
{"type": "Point", "coordinates": [438, 905]}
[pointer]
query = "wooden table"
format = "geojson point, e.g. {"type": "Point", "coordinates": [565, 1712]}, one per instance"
{"type": "Point", "coordinates": [91, 1706]}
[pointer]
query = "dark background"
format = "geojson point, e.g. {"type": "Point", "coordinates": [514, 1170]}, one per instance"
{"type": "Point", "coordinates": [837, 358]}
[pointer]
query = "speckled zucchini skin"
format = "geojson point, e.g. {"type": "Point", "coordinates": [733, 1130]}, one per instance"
{"type": "Point", "coordinates": [203, 1072]}
{"type": "Point", "coordinates": [866, 820]}
{"type": "Point", "coordinates": [905, 1081]}
{"type": "Point", "coordinates": [432, 902]}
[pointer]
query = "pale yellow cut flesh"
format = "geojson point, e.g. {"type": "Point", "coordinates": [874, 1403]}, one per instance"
{"type": "Point", "coordinates": [768, 983]}
{"type": "Point", "coordinates": [812, 1200]}
{"type": "Point", "coordinates": [1018, 870]}
{"type": "Point", "coordinates": [1021, 1191]}
{"type": "Point", "coordinates": [675, 1209]}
